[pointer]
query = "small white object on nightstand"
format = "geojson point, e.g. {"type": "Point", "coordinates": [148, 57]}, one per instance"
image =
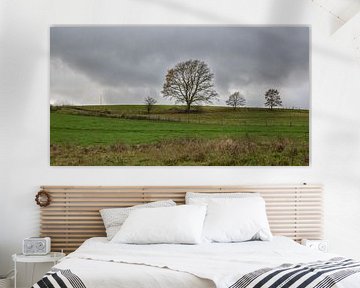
{"type": "Point", "coordinates": [320, 245]}
{"type": "Point", "coordinates": [36, 246]}
{"type": "Point", "coordinates": [53, 257]}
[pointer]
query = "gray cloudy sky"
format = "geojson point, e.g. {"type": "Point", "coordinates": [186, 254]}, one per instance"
{"type": "Point", "coordinates": [124, 64]}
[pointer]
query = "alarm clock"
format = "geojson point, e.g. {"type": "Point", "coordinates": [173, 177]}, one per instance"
{"type": "Point", "coordinates": [320, 245]}
{"type": "Point", "coordinates": [36, 246]}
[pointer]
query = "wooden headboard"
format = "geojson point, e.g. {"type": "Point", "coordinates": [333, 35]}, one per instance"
{"type": "Point", "coordinates": [73, 215]}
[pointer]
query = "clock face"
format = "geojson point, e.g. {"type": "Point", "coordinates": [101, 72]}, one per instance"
{"type": "Point", "coordinates": [29, 245]}
{"type": "Point", "coordinates": [40, 245]}
{"type": "Point", "coordinates": [323, 247]}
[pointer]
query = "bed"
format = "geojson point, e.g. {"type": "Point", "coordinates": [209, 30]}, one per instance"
{"type": "Point", "coordinates": [99, 263]}
{"type": "Point", "coordinates": [294, 211]}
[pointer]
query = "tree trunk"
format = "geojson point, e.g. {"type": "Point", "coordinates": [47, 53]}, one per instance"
{"type": "Point", "coordinates": [188, 107]}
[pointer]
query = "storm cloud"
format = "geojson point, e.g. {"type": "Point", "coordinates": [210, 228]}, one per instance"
{"type": "Point", "coordinates": [124, 64]}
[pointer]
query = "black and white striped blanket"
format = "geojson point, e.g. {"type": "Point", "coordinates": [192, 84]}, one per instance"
{"type": "Point", "coordinates": [57, 278]}
{"type": "Point", "coordinates": [320, 274]}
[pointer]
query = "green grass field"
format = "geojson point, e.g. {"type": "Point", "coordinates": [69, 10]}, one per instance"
{"type": "Point", "coordinates": [127, 135]}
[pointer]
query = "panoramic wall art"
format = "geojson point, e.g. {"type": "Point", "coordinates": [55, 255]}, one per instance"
{"type": "Point", "coordinates": [179, 96]}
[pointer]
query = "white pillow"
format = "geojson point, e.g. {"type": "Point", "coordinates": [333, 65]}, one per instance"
{"type": "Point", "coordinates": [236, 220]}
{"type": "Point", "coordinates": [113, 218]}
{"type": "Point", "coordinates": [180, 224]}
{"type": "Point", "coordinates": [204, 198]}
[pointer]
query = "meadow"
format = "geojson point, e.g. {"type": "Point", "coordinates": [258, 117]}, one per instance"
{"type": "Point", "coordinates": [214, 136]}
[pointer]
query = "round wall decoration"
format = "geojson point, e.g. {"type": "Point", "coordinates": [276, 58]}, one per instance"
{"type": "Point", "coordinates": [42, 198]}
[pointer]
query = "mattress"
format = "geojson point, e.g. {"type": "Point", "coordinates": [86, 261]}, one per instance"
{"type": "Point", "coordinates": [99, 263]}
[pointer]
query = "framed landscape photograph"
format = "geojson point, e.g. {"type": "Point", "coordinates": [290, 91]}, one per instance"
{"type": "Point", "coordinates": [179, 95]}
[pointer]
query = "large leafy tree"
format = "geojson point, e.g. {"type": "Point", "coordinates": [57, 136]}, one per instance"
{"type": "Point", "coordinates": [236, 100]}
{"type": "Point", "coordinates": [272, 98]}
{"type": "Point", "coordinates": [190, 82]}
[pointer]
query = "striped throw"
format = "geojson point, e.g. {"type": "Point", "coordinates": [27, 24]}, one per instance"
{"type": "Point", "coordinates": [320, 274]}
{"type": "Point", "coordinates": [59, 278]}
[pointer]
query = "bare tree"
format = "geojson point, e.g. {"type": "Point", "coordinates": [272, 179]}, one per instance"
{"type": "Point", "coordinates": [272, 98]}
{"type": "Point", "coordinates": [190, 82]}
{"type": "Point", "coordinates": [149, 103]}
{"type": "Point", "coordinates": [236, 100]}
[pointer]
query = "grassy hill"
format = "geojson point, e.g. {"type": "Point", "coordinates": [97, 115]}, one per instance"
{"type": "Point", "coordinates": [127, 135]}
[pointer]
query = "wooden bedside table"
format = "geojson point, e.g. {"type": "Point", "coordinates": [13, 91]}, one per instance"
{"type": "Point", "coordinates": [53, 257]}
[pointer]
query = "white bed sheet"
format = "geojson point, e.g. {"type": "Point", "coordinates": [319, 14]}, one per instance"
{"type": "Point", "coordinates": [106, 274]}
{"type": "Point", "coordinates": [103, 274]}
{"type": "Point", "coordinates": [100, 263]}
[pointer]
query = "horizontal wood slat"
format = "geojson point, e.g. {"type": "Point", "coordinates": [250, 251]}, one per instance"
{"type": "Point", "coordinates": [73, 216]}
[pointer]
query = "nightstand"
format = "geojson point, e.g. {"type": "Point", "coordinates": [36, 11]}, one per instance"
{"type": "Point", "coordinates": [53, 257]}
{"type": "Point", "coordinates": [320, 245]}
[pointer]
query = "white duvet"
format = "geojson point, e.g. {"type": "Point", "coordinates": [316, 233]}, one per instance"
{"type": "Point", "coordinates": [100, 263]}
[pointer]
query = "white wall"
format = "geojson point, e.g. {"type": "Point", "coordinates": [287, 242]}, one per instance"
{"type": "Point", "coordinates": [24, 115]}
